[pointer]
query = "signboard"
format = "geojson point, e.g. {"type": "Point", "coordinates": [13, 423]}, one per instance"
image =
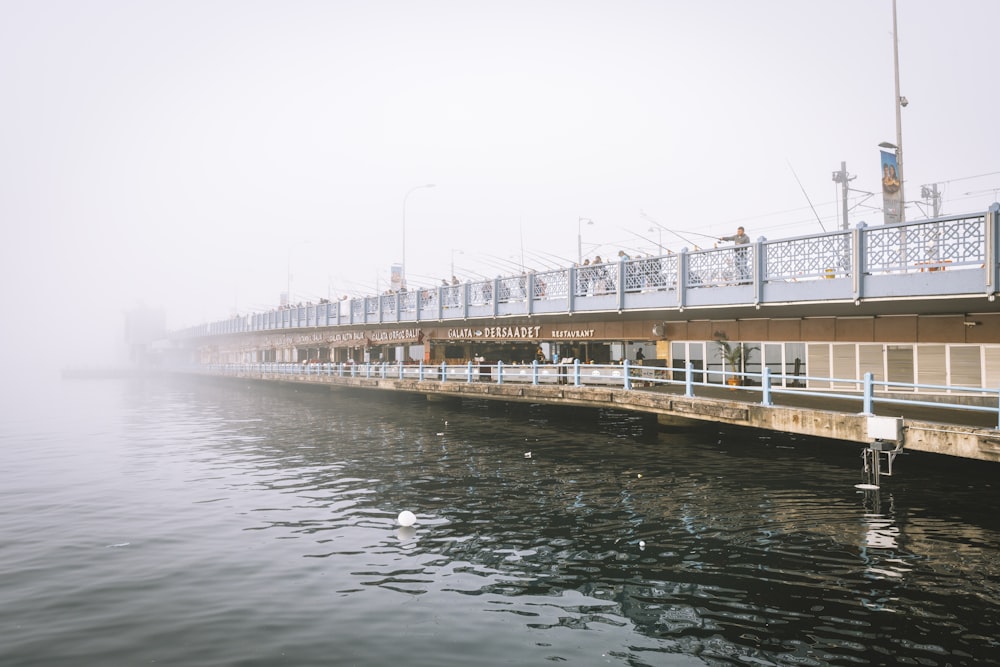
{"type": "Point", "coordinates": [396, 277]}
{"type": "Point", "coordinates": [890, 188]}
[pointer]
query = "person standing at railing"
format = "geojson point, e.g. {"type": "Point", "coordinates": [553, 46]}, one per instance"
{"type": "Point", "coordinates": [742, 254]}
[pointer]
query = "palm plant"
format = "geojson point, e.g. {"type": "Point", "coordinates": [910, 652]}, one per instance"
{"type": "Point", "coordinates": [735, 356]}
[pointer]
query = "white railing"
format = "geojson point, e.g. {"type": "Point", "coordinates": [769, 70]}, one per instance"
{"type": "Point", "coordinates": [627, 376]}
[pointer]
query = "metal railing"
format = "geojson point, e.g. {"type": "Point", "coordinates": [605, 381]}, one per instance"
{"type": "Point", "coordinates": [630, 377]}
{"type": "Point", "coordinates": [943, 257]}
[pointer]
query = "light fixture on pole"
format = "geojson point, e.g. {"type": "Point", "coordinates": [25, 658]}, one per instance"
{"type": "Point", "coordinates": [453, 251]}
{"type": "Point", "coordinates": [579, 238]}
{"type": "Point", "coordinates": [403, 263]}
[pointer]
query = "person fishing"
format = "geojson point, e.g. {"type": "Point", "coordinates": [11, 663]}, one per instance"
{"type": "Point", "coordinates": [742, 254]}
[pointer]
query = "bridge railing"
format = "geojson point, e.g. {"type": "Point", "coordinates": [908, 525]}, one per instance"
{"type": "Point", "coordinates": [904, 260]}
{"type": "Point", "coordinates": [866, 391]}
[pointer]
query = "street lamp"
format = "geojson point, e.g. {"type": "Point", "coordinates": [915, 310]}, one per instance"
{"type": "Point", "coordinates": [402, 268]}
{"type": "Point", "coordinates": [579, 238]}
{"type": "Point", "coordinates": [453, 251]}
{"type": "Point", "coordinates": [900, 102]}
{"type": "Point", "coordinates": [660, 230]}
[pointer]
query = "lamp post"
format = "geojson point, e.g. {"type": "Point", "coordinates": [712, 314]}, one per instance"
{"type": "Point", "coordinates": [579, 238]}
{"type": "Point", "coordinates": [402, 277]}
{"type": "Point", "coordinates": [900, 103]}
{"type": "Point", "coordinates": [453, 251]}
{"type": "Point", "coordinates": [660, 230]}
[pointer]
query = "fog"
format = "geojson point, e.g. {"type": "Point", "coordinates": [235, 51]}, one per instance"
{"type": "Point", "coordinates": [204, 157]}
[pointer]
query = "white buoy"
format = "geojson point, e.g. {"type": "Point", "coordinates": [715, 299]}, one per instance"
{"type": "Point", "coordinates": [406, 518]}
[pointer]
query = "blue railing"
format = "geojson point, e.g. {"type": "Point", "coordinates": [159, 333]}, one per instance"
{"type": "Point", "coordinates": [952, 256]}
{"type": "Point", "coordinates": [630, 377]}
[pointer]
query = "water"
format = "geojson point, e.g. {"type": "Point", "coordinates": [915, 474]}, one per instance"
{"type": "Point", "coordinates": [195, 523]}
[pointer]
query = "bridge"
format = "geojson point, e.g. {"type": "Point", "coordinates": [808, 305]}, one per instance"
{"type": "Point", "coordinates": [944, 265]}
{"type": "Point", "coordinates": [885, 334]}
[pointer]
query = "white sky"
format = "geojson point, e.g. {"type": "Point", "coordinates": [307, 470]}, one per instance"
{"type": "Point", "coordinates": [186, 154]}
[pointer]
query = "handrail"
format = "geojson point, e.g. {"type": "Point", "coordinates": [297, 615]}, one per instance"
{"type": "Point", "coordinates": [630, 377]}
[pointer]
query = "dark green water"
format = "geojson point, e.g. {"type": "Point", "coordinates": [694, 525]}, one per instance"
{"type": "Point", "coordinates": [227, 524]}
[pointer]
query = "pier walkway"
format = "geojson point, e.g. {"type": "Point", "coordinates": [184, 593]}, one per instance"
{"type": "Point", "coordinates": [954, 421]}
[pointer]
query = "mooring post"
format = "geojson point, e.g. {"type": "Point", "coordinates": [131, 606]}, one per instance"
{"type": "Point", "coordinates": [534, 366]}
{"type": "Point", "coordinates": [499, 371]}
{"type": "Point", "coordinates": [470, 372]}
{"type": "Point", "coordinates": [444, 371]}
{"type": "Point", "coordinates": [689, 380]}
{"type": "Point", "coordinates": [765, 398]}
{"type": "Point", "coordinates": [576, 372]}
{"type": "Point", "coordinates": [627, 384]}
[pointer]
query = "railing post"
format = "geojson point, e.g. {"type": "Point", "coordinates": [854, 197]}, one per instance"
{"type": "Point", "coordinates": [627, 382]}
{"type": "Point", "coordinates": [622, 272]}
{"type": "Point", "coordinates": [469, 376]}
{"type": "Point", "coordinates": [859, 253]}
{"type": "Point", "coordinates": [571, 289]}
{"type": "Point", "coordinates": [765, 382]}
{"type": "Point", "coordinates": [576, 372]}
{"type": "Point", "coordinates": [689, 380]}
{"type": "Point", "coordinates": [682, 273]}
{"type": "Point", "coordinates": [534, 371]}
{"type": "Point", "coordinates": [868, 396]}
{"type": "Point", "coordinates": [420, 372]}
{"type": "Point", "coordinates": [444, 371]}
{"type": "Point", "coordinates": [500, 372]}
{"type": "Point", "coordinates": [401, 370]}
{"type": "Point", "coordinates": [998, 407]}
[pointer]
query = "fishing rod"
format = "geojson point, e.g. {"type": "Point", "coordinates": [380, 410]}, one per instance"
{"type": "Point", "coordinates": [677, 234]}
{"type": "Point", "coordinates": [545, 262]}
{"type": "Point", "coordinates": [661, 248]}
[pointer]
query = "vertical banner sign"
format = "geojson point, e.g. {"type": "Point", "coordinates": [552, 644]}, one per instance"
{"type": "Point", "coordinates": [396, 277]}
{"type": "Point", "coordinates": [890, 188]}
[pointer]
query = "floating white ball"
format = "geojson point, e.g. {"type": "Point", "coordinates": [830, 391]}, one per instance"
{"type": "Point", "coordinates": [406, 518]}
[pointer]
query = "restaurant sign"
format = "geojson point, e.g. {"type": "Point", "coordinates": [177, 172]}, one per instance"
{"type": "Point", "coordinates": [517, 333]}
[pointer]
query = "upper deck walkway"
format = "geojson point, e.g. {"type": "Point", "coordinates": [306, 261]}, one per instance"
{"type": "Point", "coordinates": [945, 265]}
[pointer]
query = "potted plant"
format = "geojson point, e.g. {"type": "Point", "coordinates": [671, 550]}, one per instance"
{"type": "Point", "coordinates": [734, 356]}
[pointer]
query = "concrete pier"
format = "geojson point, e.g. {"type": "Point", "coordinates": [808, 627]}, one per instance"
{"type": "Point", "coordinates": [953, 432]}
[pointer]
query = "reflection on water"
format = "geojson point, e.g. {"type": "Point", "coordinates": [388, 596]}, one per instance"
{"type": "Point", "coordinates": [264, 524]}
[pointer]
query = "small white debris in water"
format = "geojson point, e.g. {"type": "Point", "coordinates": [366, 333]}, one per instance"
{"type": "Point", "coordinates": [441, 433]}
{"type": "Point", "coordinates": [527, 455]}
{"type": "Point", "coordinates": [406, 518]}
{"type": "Point", "coordinates": [642, 545]}
{"type": "Point", "coordinates": [639, 476]}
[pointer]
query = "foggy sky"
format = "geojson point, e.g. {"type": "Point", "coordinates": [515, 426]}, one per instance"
{"type": "Point", "coordinates": [203, 156]}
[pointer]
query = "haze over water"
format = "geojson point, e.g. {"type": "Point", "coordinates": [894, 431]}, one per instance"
{"type": "Point", "coordinates": [195, 523]}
